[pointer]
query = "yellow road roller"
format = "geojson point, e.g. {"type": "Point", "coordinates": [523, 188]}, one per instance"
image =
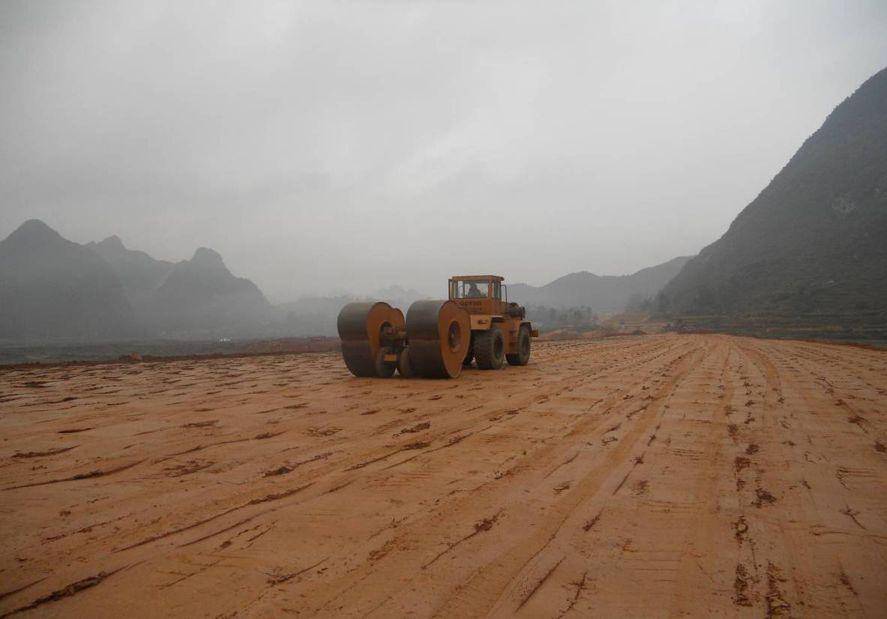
{"type": "Point", "coordinates": [437, 338]}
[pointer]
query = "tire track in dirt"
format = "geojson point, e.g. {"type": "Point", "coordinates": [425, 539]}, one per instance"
{"type": "Point", "coordinates": [598, 504]}
{"type": "Point", "coordinates": [584, 493]}
{"type": "Point", "coordinates": [324, 473]}
{"type": "Point", "coordinates": [348, 585]}
{"type": "Point", "coordinates": [489, 583]}
{"type": "Point", "coordinates": [421, 528]}
{"type": "Point", "coordinates": [824, 506]}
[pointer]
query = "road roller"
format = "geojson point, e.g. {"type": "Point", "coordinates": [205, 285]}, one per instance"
{"type": "Point", "coordinates": [437, 338]}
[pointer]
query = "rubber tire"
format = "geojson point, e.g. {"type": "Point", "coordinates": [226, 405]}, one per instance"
{"type": "Point", "coordinates": [486, 346]}
{"type": "Point", "coordinates": [384, 369]}
{"type": "Point", "coordinates": [522, 356]}
{"type": "Point", "coordinates": [404, 367]}
{"type": "Point", "coordinates": [466, 362]}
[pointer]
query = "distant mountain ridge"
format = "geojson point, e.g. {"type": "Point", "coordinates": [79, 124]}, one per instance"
{"type": "Point", "coordinates": [139, 273]}
{"type": "Point", "coordinates": [602, 293]}
{"type": "Point", "coordinates": [202, 295]}
{"type": "Point", "coordinates": [814, 242]}
{"type": "Point", "coordinates": [53, 288]}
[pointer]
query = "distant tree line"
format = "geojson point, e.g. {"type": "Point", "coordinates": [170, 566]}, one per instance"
{"type": "Point", "coordinates": [559, 317]}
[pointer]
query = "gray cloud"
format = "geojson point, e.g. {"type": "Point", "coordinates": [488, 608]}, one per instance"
{"type": "Point", "coordinates": [346, 145]}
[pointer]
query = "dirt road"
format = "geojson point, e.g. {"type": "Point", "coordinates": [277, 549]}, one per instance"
{"type": "Point", "coordinates": [648, 476]}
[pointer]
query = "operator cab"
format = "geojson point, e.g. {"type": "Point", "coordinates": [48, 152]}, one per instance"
{"type": "Point", "coordinates": [479, 294]}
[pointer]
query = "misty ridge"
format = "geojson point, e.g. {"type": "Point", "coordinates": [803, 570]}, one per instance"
{"type": "Point", "coordinates": [56, 290]}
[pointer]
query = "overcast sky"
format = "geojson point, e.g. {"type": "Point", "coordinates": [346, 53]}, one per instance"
{"type": "Point", "coordinates": [325, 146]}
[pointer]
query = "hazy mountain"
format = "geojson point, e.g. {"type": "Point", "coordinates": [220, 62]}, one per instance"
{"type": "Point", "coordinates": [317, 315]}
{"type": "Point", "coordinates": [51, 287]}
{"type": "Point", "coordinates": [814, 242]}
{"type": "Point", "coordinates": [314, 315]}
{"type": "Point", "coordinates": [603, 293]}
{"type": "Point", "coordinates": [140, 274]}
{"type": "Point", "coordinates": [200, 297]}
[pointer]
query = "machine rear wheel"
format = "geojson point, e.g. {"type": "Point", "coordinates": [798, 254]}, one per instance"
{"type": "Point", "coordinates": [404, 366]}
{"type": "Point", "coordinates": [384, 369]}
{"type": "Point", "coordinates": [489, 349]}
{"type": "Point", "coordinates": [522, 356]}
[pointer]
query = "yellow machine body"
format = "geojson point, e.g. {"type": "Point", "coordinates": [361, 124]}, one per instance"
{"type": "Point", "coordinates": [437, 339]}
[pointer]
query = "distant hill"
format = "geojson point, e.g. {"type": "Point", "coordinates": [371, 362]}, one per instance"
{"type": "Point", "coordinates": [53, 288]}
{"type": "Point", "coordinates": [602, 293]}
{"type": "Point", "coordinates": [140, 274]}
{"type": "Point", "coordinates": [812, 247]}
{"type": "Point", "coordinates": [193, 298]}
{"type": "Point", "coordinates": [201, 297]}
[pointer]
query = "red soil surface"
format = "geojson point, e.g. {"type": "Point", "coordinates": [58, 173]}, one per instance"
{"type": "Point", "coordinates": [646, 476]}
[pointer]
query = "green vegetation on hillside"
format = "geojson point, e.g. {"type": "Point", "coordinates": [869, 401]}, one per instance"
{"type": "Point", "coordinates": [812, 247]}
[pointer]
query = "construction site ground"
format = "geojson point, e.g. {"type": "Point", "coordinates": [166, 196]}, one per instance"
{"type": "Point", "coordinates": [645, 476]}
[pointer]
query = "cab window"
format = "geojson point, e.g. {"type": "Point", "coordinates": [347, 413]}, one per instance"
{"type": "Point", "coordinates": [462, 289]}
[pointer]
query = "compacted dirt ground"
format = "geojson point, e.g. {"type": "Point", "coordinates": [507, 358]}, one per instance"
{"type": "Point", "coordinates": [646, 476]}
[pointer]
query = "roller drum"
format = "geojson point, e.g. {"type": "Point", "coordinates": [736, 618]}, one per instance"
{"type": "Point", "coordinates": [439, 334]}
{"type": "Point", "coordinates": [362, 329]}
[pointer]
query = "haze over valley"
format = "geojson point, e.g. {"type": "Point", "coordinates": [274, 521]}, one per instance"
{"type": "Point", "coordinates": [808, 253]}
{"type": "Point", "coordinates": [58, 290]}
{"type": "Point", "coordinates": [328, 148]}
{"type": "Point", "coordinates": [248, 179]}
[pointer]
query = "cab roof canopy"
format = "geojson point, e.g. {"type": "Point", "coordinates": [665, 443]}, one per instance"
{"type": "Point", "coordinates": [478, 278]}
